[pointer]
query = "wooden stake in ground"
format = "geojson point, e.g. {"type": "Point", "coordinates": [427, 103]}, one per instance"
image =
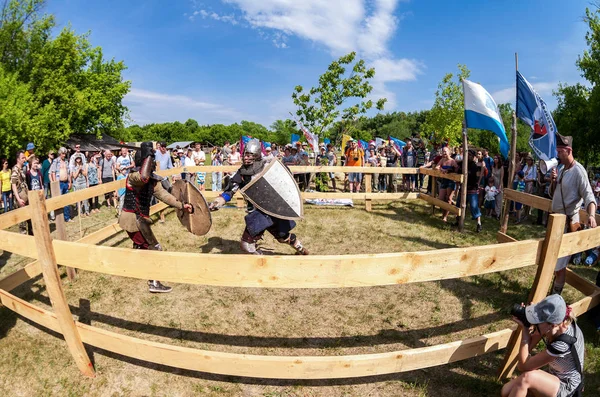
{"type": "Point", "coordinates": [463, 189]}
{"type": "Point", "coordinates": [41, 231]}
{"type": "Point", "coordinates": [59, 222]}
{"type": "Point", "coordinates": [541, 285]}
{"type": "Point", "coordinates": [79, 216]}
{"type": "Point", "coordinates": [368, 179]}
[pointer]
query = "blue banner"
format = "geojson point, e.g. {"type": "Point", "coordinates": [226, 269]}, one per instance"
{"type": "Point", "coordinates": [326, 141]}
{"type": "Point", "coordinates": [397, 142]}
{"type": "Point", "coordinates": [295, 138]}
{"type": "Point", "coordinates": [363, 144]}
{"type": "Point", "coordinates": [532, 109]}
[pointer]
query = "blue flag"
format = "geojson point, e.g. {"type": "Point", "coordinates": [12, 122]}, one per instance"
{"type": "Point", "coordinates": [363, 144]}
{"type": "Point", "coordinates": [295, 138]}
{"type": "Point", "coordinates": [326, 141]}
{"type": "Point", "coordinates": [397, 142]}
{"type": "Point", "coordinates": [532, 109]}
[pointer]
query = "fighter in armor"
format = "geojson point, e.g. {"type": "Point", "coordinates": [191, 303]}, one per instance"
{"type": "Point", "coordinates": [141, 184]}
{"type": "Point", "coordinates": [257, 222]}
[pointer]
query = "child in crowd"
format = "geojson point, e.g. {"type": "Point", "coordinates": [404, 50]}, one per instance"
{"type": "Point", "coordinates": [520, 188]}
{"type": "Point", "coordinates": [490, 197]}
{"type": "Point", "coordinates": [34, 176]}
{"type": "Point", "coordinates": [121, 193]}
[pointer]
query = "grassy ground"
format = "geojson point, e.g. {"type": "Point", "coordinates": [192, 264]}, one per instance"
{"type": "Point", "coordinates": [281, 322]}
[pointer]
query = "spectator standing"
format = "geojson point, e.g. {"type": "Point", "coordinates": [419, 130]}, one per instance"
{"type": "Point", "coordinates": [473, 172]}
{"type": "Point", "coordinates": [29, 152]}
{"type": "Point", "coordinates": [125, 163]}
{"type": "Point", "coordinates": [46, 172]}
{"type": "Point", "coordinates": [354, 158]}
{"type": "Point", "coordinates": [289, 158]}
{"type": "Point", "coordinates": [60, 171]}
{"type": "Point", "coordinates": [165, 162]}
{"type": "Point", "coordinates": [409, 159]}
{"type": "Point", "coordinates": [498, 174]}
{"type": "Point", "coordinates": [5, 187]}
{"type": "Point", "coordinates": [184, 161]}
{"type": "Point", "coordinates": [217, 177]}
{"type": "Point", "coordinates": [489, 163]}
{"type": "Point", "coordinates": [199, 159]}
{"type": "Point", "coordinates": [489, 201]}
{"type": "Point", "coordinates": [93, 180]}
{"type": "Point", "coordinates": [108, 168]}
{"type": "Point", "coordinates": [569, 188]}
{"type": "Point", "coordinates": [447, 186]}
{"type": "Point", "coordinates": [75, 155]}
{"type": "Point", "coordinates": [421, 157]}
{"type": "Point", "coordinates": [332, 162]}
{"type": "Point", "coordinates": [268, 154]}
{"type": "Point", "coordinates": [520, 188]}
{"type": "Point", "coordinates": [392, 159]}
{"type": "Point", "coordinates": [34, 175]}
{"type": "Point", "coordinates": [18, 181]}
{"type": "Point", "coordinates": [373, 161]}
{"type": "Point", "coordinates": [79, 181]}
{"type": "Point", "coordinates": [234, 156]}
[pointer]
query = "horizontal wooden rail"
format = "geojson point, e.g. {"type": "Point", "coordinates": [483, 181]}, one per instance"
{"type": "Point", "coordinates": [505, 238]}
{"type": "Point", "coordinates": [297, 169]}
{"type": "Point", "coordinates": [528, 199]}
{"type": "Point", "coordinates": [439, 174]}
{"type": "Point", "coordinates": [439, 203]}
{"type": "Point", "coordinates": [279, 367]}
{"type": "Point", "coordinates": [573, 243]}
{"type": "Point", "coordinates": [34, 269]}
{"type": "Point", "coordinates": [581, 284]}
{"type": "Point", "coordinates": [270, 367]}
{"type": "Point", "coordinates": [317, 271]}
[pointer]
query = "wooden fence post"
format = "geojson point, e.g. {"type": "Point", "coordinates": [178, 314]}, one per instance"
{"type": "Point", "coordinates": [59, 221]}
{"type": "Point", "coordinates": [239, 203]}
{"type": "Point", "coordinates": [368, 179]}
{"type": "Point", "coordinates": [433, 192]}
{"type": "Point", "coordinates": [541, 284]}
{"type": "Point", "coordinates": [463, 184]}
{"type": "Point", "coordinates": [47, 258]}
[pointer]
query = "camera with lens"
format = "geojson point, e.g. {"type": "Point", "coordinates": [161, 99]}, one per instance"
{"type": "Point", "coordinates": [519, 312]}
{"type": "Point", "coordinates": [356, 159]}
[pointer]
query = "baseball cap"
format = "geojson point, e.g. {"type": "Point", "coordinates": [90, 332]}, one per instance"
{"type": "Point", "coordinates": [30, 146]}
{"type": "Point", "coordinates": [268, 148]}
{"type": "Point", "coordinates": [521, 174]}
{"type": "Point", "coordinates": [552, 309]}
{"type": "Point", "coordinates": [179, 150]}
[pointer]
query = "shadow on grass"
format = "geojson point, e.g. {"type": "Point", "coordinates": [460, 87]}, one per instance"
{"type": "Point", "coordinates": [4, 258]}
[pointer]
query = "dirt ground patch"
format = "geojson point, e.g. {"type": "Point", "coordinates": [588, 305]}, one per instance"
{"type": "Point", "coordinates": [280, 321]}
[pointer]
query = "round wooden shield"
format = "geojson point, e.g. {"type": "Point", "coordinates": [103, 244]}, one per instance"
{"type": "Point", "coordinates": [200, 220]}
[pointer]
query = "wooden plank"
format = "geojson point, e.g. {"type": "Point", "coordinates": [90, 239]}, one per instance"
{"type": "Point", "coordinates": [541, 285]}
{"type": "Point", "coordinates": [439, 203]}
{"type": "Point", "coordinates": [14, 217]}
{"type": "Point", "coordinates": [529, 199]}
{"type": "Point", "coordinates": [34, 268]}
{"type": "Point", "coordinates": [271, 367]}
{"type": "Point", "coordinates": [17, 278]}
{"type": "Point", "coordinates": [505, 238]}
{"type": "Point", "coordinates": [586, 303]}
{"type": "Point", "coordinates": [41, 230]}
{"type": "Point", "coordinates": [297, 169]}
{"type": "Point", "coordinates": [368, 201]}
{"type": "Point", "coordinates": [573, 243]}
{"type": "Point", "coordinates": [59, 222]}
{"type": "Point", "coordinates": [439, 174]}
{"type": "Point", "coordinates": [581, 284]}
{"type": "Point", "coordinates": [291, 271]}
{"type": "Point", "coordinates": [17, 243]}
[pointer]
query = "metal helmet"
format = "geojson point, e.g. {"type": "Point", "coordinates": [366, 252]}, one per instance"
{"type": "Point", "coordinates": [254, 148]}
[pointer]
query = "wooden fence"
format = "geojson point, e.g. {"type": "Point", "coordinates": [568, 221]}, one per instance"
{"type": "Point", "coordinates": [319, 271]}
{"type": "Point", "coordinates": [432, 199]}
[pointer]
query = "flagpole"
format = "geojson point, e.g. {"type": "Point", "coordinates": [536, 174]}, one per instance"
{"type": "Point", "coordinates": [512, 349]}
{"type": "Point", "coordinates": [463, 188]}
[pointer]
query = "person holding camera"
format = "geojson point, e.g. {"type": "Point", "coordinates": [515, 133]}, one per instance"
{"type": "Point", "coordinates": [552, 321]}
{"type": "Point", "coordinates": [569, 187]}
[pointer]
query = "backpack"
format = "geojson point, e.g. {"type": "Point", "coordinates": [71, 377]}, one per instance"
{"type": "Point", "coordinates": [570, 340]}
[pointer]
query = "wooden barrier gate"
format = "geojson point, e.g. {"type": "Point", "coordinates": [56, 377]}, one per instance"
{"type": "Point", "coordinates": [432, 199]}
{"type": "Point", "coordinates": [318, 271]}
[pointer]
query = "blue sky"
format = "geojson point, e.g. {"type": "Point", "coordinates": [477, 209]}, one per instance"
{"type": "Point", "coordinates": [231, 60]}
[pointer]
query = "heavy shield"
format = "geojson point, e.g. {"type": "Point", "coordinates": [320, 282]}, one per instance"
{"type": "Point", "coordinates": [275, 192]}
{"type": "Point", "coordinates": [199, 221]}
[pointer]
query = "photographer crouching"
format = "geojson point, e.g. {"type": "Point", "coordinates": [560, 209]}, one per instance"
{"type": "Point", "coordinates": [552, 321]}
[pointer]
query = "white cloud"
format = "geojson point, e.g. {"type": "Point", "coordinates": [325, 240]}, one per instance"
{"type": "Point", "coordinates": [148, 106]}
{"type": "Point", "coordinates": [213, 15]}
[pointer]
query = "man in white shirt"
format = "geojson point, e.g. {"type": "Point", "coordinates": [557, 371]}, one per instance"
{"type": "Point", "coordinates": [199, 158]}
{"type": "Point", "coordinates": [125, 163]}
{"type": "Point", "coordinates": [74, 156]}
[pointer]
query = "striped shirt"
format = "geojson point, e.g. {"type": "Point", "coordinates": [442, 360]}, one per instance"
{"type": "Point", "coordinates": [563, 366]}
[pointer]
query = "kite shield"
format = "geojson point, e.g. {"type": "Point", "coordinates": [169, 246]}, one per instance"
{"type": "Point", "coordinates": [275, 192]}
{"type": "Point", "coordinates": [199, 221]}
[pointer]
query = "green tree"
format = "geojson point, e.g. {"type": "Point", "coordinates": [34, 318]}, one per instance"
{"type": "Point", "coordinates": [322, 105]}
{"type": "Point", "coordinates": [72, 88]}
{"type": "Point", "coordinates": [282, 130]}
{"type": "Point", "coordinates": [446, 116]}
